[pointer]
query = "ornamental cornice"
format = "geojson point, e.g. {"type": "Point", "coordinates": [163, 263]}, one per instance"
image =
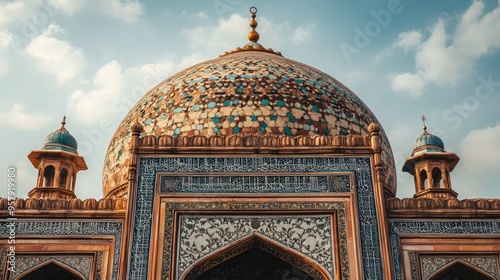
{"type": "Point", "coordinates": [20, 207]}
{"type": "Point", "coordinates": [442, 207]}
{"type": "Point", "coordinates": [265, 142]}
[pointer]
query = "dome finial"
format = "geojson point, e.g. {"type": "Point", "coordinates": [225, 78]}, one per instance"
{"type": "Point", "coordinates": [424, 118]}
{"type": "Point", "coordinates": [63, 129]}
{"type": "Point", "coordinates": [253, 35]}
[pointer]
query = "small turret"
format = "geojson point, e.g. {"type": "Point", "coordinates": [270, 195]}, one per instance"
{"type": "Point", "coordinates": [430, 166]}
{"type": "Point", "coordinates": [57, 163]}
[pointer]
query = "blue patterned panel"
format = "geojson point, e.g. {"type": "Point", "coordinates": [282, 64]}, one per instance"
{"type": "Point", "coordinates": [220, 167]}
{"type": "Point", "coordinates": [255, 184]}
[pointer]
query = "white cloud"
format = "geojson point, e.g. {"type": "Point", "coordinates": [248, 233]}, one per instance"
{"type": "Point", "coordinates": [221, 36]}
{"type": "Point", "coordinates": [232, 32]}
{"type": "Point", "coordinates": [301, 34]}
{"type": "Point", "coordinates": [56, 56]}
{"type": "Point", "coordinates": [409, 82]}
{"type": "Point", "coordinates": [17, 118]}
{"type": "Point", "coordinates": [5, 41]}
{"type": "Point", "coordinates": [90, 107]}
{"type": "Point", "coordinates": [408, 40]}
{"type": "Point", "coordinates": [445, 58]}
{"type": "Point", "coordinates": [67, 6]}
{"type": "Point", "coordinates": [480, 150]}
{"type": "Point", "coordinates": [32, 11]}
{"type": "Point", "coordinates": [35, 11]}
{"type": "Point", "coordinates": [116, 90]}
{"type": "Point", "coordinates": [128, 11]}
{"type": "Point", "coordinates": [11, 12]}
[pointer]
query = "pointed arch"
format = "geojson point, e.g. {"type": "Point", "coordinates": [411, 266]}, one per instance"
{"type": "Point", "coordinates": [436, 178]}
{"type": "Point", "coordinates": [63, 176]}
{"type": "Point", "coordinates": [48, 176]}
{"type": "Point", "coordinates": [423, 179]}
{"type": "Point", "coordinates": [459, 268]}
{"type": "Point", "coordinates": [51, 270]}
{"type": "Point", "coordinates": [252, 241]}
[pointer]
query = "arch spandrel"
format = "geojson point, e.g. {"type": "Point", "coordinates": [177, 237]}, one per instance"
{"type": "Point", "coordinates": [37, 272]}
{"type": "Point", "coordinates": [462, 269]}
{"type": "Point", "coordinates": [300, 264]}
{"type": "Point", "coordinates": [201, 236]}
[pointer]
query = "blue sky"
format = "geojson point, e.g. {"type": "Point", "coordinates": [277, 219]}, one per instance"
{"type": "Point", "coordinates": [92, 60]}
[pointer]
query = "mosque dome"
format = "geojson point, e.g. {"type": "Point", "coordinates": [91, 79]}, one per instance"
{"type": "Point", "coordinates": [249, 91]}
{"type": "Point", "coordinates": [61, 140]}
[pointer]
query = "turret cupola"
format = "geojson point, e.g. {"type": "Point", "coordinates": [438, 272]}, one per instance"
{"type": "Point", "coordinates": [57, 163]}
{"type": "Point", "coordinates": [430, 166]}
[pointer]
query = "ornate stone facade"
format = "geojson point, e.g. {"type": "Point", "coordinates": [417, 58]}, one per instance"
{"type": "Point", "coordinates": [149, 167]}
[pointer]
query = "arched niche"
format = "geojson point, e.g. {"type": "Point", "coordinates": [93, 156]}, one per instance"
{"type": "Point", "coordinates": [423, 180]}
{"type": "Point", "coordinates": [63, 176]}
{"type": "Point", "coordinates": [51, 270]}
{"type": "Point", "coordinates": [48, 175]}
{"type": "Point", "coordinates": [459, 270]}
{"type": "Point", "coordinates": [263, 253]}
{"type": "Point", "coordinates": [436, 178]}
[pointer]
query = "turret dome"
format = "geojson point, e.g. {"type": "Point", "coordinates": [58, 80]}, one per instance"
{"type": "Point", "coordinates": [61, 140]}
{"type": "Point", "coordinates": [427, 143]}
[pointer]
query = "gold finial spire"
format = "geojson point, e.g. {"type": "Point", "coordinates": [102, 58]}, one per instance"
{"type": "Point", "coordinates": [253, 35]}
{"type": "Point", "coordinates": [424, 118]}
{"type": "Point", "coordinates": [63, 129]}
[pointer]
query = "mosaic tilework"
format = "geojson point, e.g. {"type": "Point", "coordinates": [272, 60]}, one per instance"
{"type": "Point", "coordinates": [435, 227]}
{"type": "Point", "coordinates": [255, 184]}
{"type": "Point", "coordinates": [70, 228]}
{"type": "Point", "coordinates": [201, 235]}
{"type": "Point", "coordinates": [148, 168]}
{"type": "Point", "coordinates": [244, 93]}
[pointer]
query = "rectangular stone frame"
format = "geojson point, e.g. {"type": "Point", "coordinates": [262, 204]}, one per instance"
{"type": "Point", "coordinates": [412, 239]}
{"type": "Point", "coordinates": [175, 207]}
{"type": "Point", "coordinates": [150, 208]}
{"type": "Point", "coordinates": [54, 237]}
